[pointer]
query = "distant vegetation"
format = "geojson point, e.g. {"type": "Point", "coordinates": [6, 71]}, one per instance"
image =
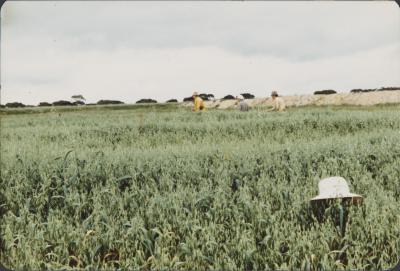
{"type": "Point", "coordinates": [229, 97]}
{"type": "Point", "coordinates": [204, 96]}
{"type": "Point", "coordinates": [359, 90]}
{"type": "Point", "coordinates": [172, 101]}
{"type": "Point", "coordinates": [248, 96]}
{"type": "Point", "coordinates": [15, 105]}
{"type": "Point", "coordinates": [62, 103]}
{"type": "Point", "coordinates": [44, 104]}
{"type": "Point", "coordinates": [325, 92]}
{"type": "Point", "coordinates": [390, 88]}
{"type": "Point", "coordinates": [109, 102]}
{"type": "Point", "coordinates": [146, 101]}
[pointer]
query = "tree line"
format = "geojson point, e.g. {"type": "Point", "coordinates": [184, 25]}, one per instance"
{"type": "Point", "coordinates": [80, 100]}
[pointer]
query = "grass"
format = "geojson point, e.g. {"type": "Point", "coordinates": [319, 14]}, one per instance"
{"type": "Point", "coordinates": [151, 188]}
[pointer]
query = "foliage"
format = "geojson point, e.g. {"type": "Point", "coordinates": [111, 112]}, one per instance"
{"type": "Point", "coordinates": [109, 102]}
{"type": "Point", "coordinates": [143, 101]}
{"type": "Point", "coordinates": [229, 97]}
{"type": "Point", "coordinates": [140, 189]}
{"type": "Point", "coordinates": [14, 105]}
{"type": "Point", "coordinates": [62, 103]}
{"type": "Point", "coordinates": [325, 92]}
{"type": "Point", "coordinates": [248, 96]}
{"type": "Point", "coordinates": [78, 97]}
{"type": "Point", "coordinates": [44, 104]}
{"type": "Point", "coordinates": [188, 99]}
{"type": "Point", "coordinates": [358, 90]}
{"type": "Point", "coordinates": [172, 101]}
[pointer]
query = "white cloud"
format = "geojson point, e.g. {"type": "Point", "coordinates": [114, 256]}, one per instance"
{"type": "Point", "coordinates": [132, 50]}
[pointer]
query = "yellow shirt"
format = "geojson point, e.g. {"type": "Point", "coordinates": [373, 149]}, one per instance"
{"type": "Point", "coordinates": [198, 104]}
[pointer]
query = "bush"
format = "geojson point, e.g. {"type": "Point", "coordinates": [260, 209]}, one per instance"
{"type": "Point", "coordinates": [44, 104]}
{"type": "Point", "coordinates": [2, 106]}
{"type": "Point", "coordinates": [247, 95]}
{"type": "Point", "coordinates": [204, 96]}
{"type": "Point", "coordinates": [146, 101]}
{"type": "Point", "coordinates": [62, 103]}
{"type": "Point", "coordinates": [78, 103]}
{"type": "Point", "coordinates": [325, 92]}
{"type": "Point", "coordinates": [389, 88]}
{"type": "Point", "coordinates": [229, 97]}
{"type": "Point", "coordinates": [172, 101]}
{"type": "Point", "coordinates": [188, 99]}
{"type": "Point", "coordinates": [109, 102]}
{"type": "Point", "coordinates": [358, 90]}
{"type": "Point", "coordinates": [14, 105]}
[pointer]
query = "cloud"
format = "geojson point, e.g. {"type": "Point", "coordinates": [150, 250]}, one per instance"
{"type": "Point", "coordinates": [130, 74]}
{"type": "Point", "coordinates": [130, 50]}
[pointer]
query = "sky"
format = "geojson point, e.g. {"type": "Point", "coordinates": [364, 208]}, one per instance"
{"type": "Point", "coordinates": [128, 50]}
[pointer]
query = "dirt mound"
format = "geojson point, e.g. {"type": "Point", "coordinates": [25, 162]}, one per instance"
{"type": "Point", "coordinates": [362, 98]}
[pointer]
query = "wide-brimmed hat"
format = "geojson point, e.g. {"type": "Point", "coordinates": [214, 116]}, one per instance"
{"type": "Point", "coordinates": [334, 187]}
{"type": "Point", "coordinates": [274, 93]}
{"type": "Point", "coordinates": [240, 97]}
{"type": "Point", "coordinates": [195, 93]}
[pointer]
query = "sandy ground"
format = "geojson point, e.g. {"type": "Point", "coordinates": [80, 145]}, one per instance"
{"type": "Point", "coordinates": [368, 98]}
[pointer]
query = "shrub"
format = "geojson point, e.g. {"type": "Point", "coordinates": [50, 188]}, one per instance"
{"type": "Point", "coordinates": [62, 103]}
{"type": "Point", "coordinates": [78, 103]}
{"type": "Point", "coordinates": [146, 101]}
{"type": "Point", "coordinates": [188, 99]}
{"type": "Point", "coordinates": [172, 101]}
{"type": "Point", "coordinates": [204, 96]}
{"type": "Point", "coordinates": [2, 106]}
{"type": "Point", "coordinates": [247, 95]}
{"type": "Point", "coordinates": [229, 97]}
{"type": "Point", "coordinates": [44, 104]}
{"type": "Point", "coordinates": [358, 90]}
{"type": "Point", "coordinates": [109, 102]}
{"type": "Point", "coordinates": [325, 92]}
{"type": "Point", "coordinates": [389, 88]}
{"type": "Point", "coordinates": [15, 105]}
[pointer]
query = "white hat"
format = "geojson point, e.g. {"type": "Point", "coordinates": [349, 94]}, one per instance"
{"type": "Point", "coordinates": [240, 97]}
{"type": "Point", "coordinates": [334, 187]}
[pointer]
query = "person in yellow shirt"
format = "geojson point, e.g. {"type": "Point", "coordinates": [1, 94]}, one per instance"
{"type": "Point", "coordinates": [278, 103]}
{"type": "Point", "coordinates": [198, 103]}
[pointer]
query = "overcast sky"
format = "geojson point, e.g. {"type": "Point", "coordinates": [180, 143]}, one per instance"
{"type": "Point", "coordinates": [130, 50]}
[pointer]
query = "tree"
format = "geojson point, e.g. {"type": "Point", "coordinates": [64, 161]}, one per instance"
{"type": "Point", "coordinates": [172, 101]}
{"type": "Point", "coordinates": [324, 92]}
{"type": "Point", "coordinates": [44, 104]}
{"type": "Point", "coordinates": [229, 97]}
{"type": "Point", "coordinates": [145, 101]}
{"type": "Point", "coordinates": [247, 95]}
{"type": "Point", "coordinates": [14, 105]}
{"type": "Point", "coordinates": [78, 97]}
{"type": "Point", "coordinates": [109, 102]}
{"type": "Point", "coordinates": [62, 103]}
{"type": "Point", "coordinates": [204, 96]}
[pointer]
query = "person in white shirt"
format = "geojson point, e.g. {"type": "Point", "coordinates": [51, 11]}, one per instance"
{"type": "Point", "coordinates": [278, 103]}
{"type": "Point", "coordinates": [242, 105]}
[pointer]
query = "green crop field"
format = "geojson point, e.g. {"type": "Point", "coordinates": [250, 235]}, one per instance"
{"type": "Point", "coordinates": [152, 188]}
